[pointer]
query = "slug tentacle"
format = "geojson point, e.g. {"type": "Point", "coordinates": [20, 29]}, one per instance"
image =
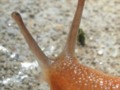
{"type": "Point", "coordinates": [70, 44]}
{"type": "Point", "coordinates": [31, 42]}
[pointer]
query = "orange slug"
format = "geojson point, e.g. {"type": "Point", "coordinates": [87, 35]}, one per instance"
{"type": "Point", "coordinates": [66, 73]}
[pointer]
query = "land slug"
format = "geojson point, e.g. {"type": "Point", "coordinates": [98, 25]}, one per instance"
{"type": "Point", "coordinates": [66, 73]}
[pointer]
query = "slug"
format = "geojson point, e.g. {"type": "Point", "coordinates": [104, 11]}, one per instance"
{"type": "Point", "coordinates": [66, 73]}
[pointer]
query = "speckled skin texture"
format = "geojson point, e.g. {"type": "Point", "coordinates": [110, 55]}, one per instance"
{"type": "Point", "coordinates": [68, 74]}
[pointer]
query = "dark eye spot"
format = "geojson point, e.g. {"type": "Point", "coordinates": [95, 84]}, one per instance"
{"type": "Point", "coordinates": [14, 14]}
{"type": "Point", "coordinates": [17, 14]}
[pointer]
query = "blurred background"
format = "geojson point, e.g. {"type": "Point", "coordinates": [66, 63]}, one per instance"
{"type": "Point", "coordinates": [49, 22]}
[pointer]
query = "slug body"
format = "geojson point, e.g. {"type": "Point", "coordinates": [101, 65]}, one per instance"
{"type": "Point", "coordinates": [66, 73]}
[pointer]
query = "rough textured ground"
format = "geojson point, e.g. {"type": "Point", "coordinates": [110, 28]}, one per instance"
{"type": "Point", "coordinates": [49, 22]}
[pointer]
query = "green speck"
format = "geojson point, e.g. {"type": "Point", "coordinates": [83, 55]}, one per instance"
{"type": "Point", "coordinates": [81, 37]}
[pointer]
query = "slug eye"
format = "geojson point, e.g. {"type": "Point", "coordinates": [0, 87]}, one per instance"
{"type": "Point", "coordinates": [15, 14]}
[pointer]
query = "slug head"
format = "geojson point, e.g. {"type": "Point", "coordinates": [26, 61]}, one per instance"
{"type": "Point", "coordinates": [55, 72]}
